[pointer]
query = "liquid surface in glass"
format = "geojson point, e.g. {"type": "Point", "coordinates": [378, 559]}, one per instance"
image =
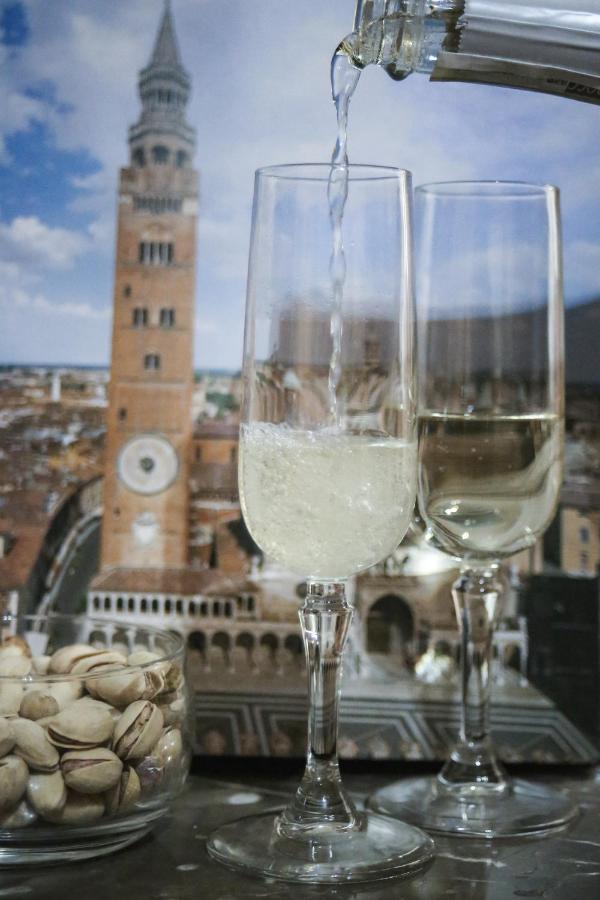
{"type": "Point", "coordinates": [489, 485]}
{"type": "Point", "coordinates": [325, 504]}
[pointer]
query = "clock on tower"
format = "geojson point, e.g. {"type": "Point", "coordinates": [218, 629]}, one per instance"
{"type": "Point", "coordinates": [145, 523]}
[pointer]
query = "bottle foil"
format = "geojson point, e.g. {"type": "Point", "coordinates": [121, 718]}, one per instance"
{"type": "Point", "coordinates": [549, 45]}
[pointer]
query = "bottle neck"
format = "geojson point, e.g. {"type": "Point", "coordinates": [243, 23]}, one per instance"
{"type": "Point", "coordinates": [543, 45]}
{"type": "Point", "coordinates": [402, 36]}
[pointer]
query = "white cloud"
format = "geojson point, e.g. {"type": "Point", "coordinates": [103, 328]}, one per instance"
{"type": "Point", "coordinates": [29, 240]}
{"type": "Point", "coordinates": [40, 304]}
{"type": "Point", "coordinates": [260, 96]}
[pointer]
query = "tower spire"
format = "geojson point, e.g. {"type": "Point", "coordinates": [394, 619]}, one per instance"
{"type": "Point", "coordinates": [164, 87]}
{"type": "Point", "coordinates": [166, 48]}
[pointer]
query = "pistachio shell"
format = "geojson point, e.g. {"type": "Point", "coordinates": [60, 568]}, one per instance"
{"type": "Point", "coordinates": [143, 657]}
{"type": "Point", "coordinates": [20, 817]}
{"type": "Point", "coordinates": [150, 772]}
{"type": "Point", "coordinates": [7, 737]}
{"type": "Point", "coordinates": [91, 771]}
{"type": "Point", "coordinates": [11, 693]}
{"type": "Point", "coordinates": [124, 687]}
{"type": "Point", "coordinates": [38, 705]}
{"type": "Point", "coordinates": [81, 727]}
{"type": "Point", "coordinates": [64, 659]}
{"type": "Point", "coordinates": [15, 644]}
{"type": "Point", "coordinates": [47, 793]}
{"type": "Point", "coordinates": [80, 809]}
{"type": "Point", "coordinates": [174, 679]}
{"type": "Point", "coordinates": [100, 704]}
{"type": "Point", "coordinates": [32, 745]}
{"type": "Point", "coordinates": [125, 793]}
{"type": "Point", "coordinates": [98, 660]}
{"type": "Point", "coordinates": [173, 710]}
{"type": "Point", "coordinates": [40, 664]}
{"type": "Point", "coordinates": [14, 666]}
{"type": "Point", "coordinates": [65, 692]}
{"type": "Point", "coordinates": [169, 748]}
{"type": "Point", "coordinates": [137, 730]}
{"type": "Point", "coordinates": [13, 781]}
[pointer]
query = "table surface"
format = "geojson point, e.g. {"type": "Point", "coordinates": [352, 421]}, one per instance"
{"type": "Point", "coordinates": [172, 864]}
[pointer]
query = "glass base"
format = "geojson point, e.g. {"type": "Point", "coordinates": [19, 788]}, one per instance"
{"type": "Point", "coordinates": [522, 809]}
{"type": "Point", "coordinates": [66, 847]}
{"type": "Point", "coordinates": [382, 848]}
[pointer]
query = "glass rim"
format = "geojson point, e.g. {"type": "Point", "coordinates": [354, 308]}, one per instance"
{"type": "Point", "coordinates": [487, 189]}
{"type": "Point", "coordinates": [177, 646]}
{"type": "Point", "coordinates": [320, 172]}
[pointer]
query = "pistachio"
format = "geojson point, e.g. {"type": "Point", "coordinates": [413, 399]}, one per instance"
{"type": "Point", "coordinates": [38, 705]}
{"type": "Point", "coordinates": [32, 745]}
{"type": "Point", "coordinates": [91, 771]}
{"type": "Point", "coordinates": [11, 693]}
{"type": "Point", "coordinates": [150, 773]}
{"type": "Point", "coordinates": [172, 707]}
{"type": "Point", "coordinates": [13, 781]}
{"type": "Point", "coordinates": [45, 721]}
{"type": "Point", "coordinates": [40, 664]}
{"type": "Point", "coordinates": [47, 793]}
{"type": "Point", "coordinates": [122, 687]}
{"type": "Point", "coordinates": [169, 748]}
{"type": "Point", "coordinates": [15, 644]}
{"type": "Point", "coordinates": [98, 660]}
{"type": "Point", "coordinates": [14, 666]}
{"type": "Point", "coordinates": [80, 809]}
{"type": "Point", "coordinates": [125, 793]}
{"type": "Point", "coordinates": [20, 817]}
{"type": "Point", "coordinates": [143, 657]}
{"type": "Point", "coordinates": [155, 681]}
{"type": "Point", "coordinates": [7, 737]}
{"type": "Point", "coordinates": [174, 678]}
{"type": "Point", "coordinates": [137, 730]}
{"type": "Point", "coordinates": [81, 726]}
{"type": "Point", "coordinates": [87, 700]}
{"type": "Point", "coordinates": [65, 692]}
{"type": "Point", "coordinates": [63, 660]}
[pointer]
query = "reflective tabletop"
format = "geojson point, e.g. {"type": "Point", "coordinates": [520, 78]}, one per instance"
{"type": "Point", "coordinates": [172, 863]}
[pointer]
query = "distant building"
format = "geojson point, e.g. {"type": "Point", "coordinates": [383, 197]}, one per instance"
{"type": "Point", "coordinates": [149, 428]}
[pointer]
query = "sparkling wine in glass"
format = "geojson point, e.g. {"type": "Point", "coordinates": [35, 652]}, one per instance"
{"type": "Point", "coordinates": [327, 474]}
{"type": "Point", "coordinates": [491, 372]}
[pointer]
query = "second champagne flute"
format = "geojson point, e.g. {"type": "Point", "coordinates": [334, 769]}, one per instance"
{"type": "Point", "coordinates": [327, 472]}
{"type": "Point", "coordinates": [490, 460]}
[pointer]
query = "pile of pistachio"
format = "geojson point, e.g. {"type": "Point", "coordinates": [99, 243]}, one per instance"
{"type": "Point", "coordinates": [91, 745]}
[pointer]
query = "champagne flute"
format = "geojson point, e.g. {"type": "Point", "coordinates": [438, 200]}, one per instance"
{"type": "Point", "coordinates": [327, 472]}
{"type": "Point", "coordinates": [491, 396]}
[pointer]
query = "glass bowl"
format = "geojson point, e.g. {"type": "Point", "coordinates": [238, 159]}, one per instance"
{"type": "Point", "coordinates": [94, 734]}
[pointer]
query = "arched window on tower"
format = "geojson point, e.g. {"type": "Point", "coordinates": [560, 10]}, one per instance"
{"type": "Point", "coordinates": [167, 317]}
{"type": "Point", "coordinates": [160, 154]}
{"type": "Point", "coordinates": [156, 253]}
{"type": "Point", "coordinates": [152, 362]}
{"type": "Point", "coordinates": [182, 159]}
{"type": "Point", "coordinates": [140, 317]}
{"type": "Point", "coordinates": [139, 157]}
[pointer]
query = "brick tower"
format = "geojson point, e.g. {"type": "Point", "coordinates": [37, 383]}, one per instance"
{"type": "Point", "coordinates": [149, 427]}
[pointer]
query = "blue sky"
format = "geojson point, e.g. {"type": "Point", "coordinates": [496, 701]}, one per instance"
{"type": "Point", "coordinates": [68, 77]}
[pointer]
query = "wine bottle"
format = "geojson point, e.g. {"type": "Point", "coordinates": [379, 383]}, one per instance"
{"type": "Point", "coordinates": [551, 46]}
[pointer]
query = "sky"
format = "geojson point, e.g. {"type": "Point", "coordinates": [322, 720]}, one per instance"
{"type": "Point", "coordinates": [261, 95]}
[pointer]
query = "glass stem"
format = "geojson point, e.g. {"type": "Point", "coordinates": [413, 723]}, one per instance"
{"type": "Point", "coordinates": [478, 595]}
{"type": "Point", "coordinates": [321, 799]}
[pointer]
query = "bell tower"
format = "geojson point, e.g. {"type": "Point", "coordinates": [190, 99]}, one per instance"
{"type": "Point", "coordinates": [149, 427]}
